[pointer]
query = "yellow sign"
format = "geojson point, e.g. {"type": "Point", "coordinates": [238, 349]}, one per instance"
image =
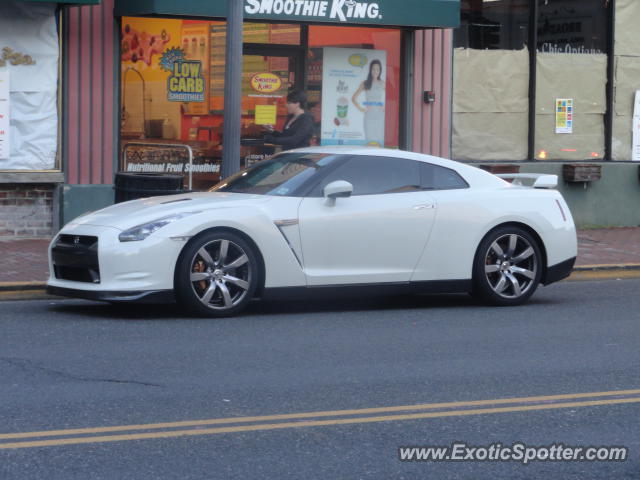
{"type": "Point", "coordinates": [266, 114]}
{"type": "Point", "coordinates": [266, 82]}
{"type": "Point", "coordinates": [186, 83]}
{"type": "Point", "coordinates": [358, 60]}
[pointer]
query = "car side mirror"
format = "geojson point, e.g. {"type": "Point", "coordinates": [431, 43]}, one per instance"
{"type": "Point", "coordinates": [337, 189]}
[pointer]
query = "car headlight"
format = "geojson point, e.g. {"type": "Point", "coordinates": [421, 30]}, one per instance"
{"type": "Point", "coordinates": [141, 232]}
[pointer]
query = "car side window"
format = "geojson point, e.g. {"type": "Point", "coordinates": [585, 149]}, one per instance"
{"type": "Point", "coordinates": [435, 177]}
{"type": "Point", "coordinates": [371, 175]}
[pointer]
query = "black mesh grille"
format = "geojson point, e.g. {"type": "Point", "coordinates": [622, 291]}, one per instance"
{"type": "Point", "coordinates": [75, 258]}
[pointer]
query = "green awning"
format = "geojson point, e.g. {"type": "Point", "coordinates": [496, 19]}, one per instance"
{"type": "Point", "coordinates": [404, 13]}
{"type": "Point", "coordinates": [70, 2]}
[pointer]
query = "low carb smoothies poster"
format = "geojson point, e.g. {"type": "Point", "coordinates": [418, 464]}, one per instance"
{"type": "Point", "coordinates": [353, 96]}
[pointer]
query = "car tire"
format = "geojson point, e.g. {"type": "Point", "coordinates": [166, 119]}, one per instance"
{"type": "Point", "coordinates": [507, 267]}
{"type": "Point", "coordinates": [216, 274]}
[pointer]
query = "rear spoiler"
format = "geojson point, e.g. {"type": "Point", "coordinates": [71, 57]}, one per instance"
{"type": "Point", "coordinates": [540, 180]}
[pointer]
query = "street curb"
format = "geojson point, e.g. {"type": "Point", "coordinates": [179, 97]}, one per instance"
{"type": "Point", "coordinates": [607, 267]}
{"type": "Point", "coordinates": [21, 286]}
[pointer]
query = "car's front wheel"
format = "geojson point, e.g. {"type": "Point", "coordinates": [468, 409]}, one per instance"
{"type": "Point", "coordinates": [216, 274]}
{"type": "Point", "coordinates": [507, 266]}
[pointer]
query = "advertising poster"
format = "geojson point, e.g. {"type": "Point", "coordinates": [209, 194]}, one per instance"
{"type": "Point", "coordinates": [564, 115]}
{"type": "Point", "coordinates": [635, 149]}
{"type": "Point", "coordinates": [353, 97]}
{"type": "Point", "coordinates": [4, 113]}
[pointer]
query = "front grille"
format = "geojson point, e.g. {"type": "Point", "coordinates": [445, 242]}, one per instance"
{"type": "Point", "coordinates": [75, 258]}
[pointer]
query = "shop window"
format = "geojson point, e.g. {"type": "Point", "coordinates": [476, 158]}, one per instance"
{"type": "Point", "coordinates": [351, 110]}
{"type": "Point", "coordinates": [271, 33]}
{"type": "Point", "coordinates": [627, 73]}
{"type": "Point", "coordinates": [172, 80]}
{"type": "Point", "coordinates": [173, 93]}
{"type": "Point", "coordinates": [571, 64]}
{"type": "Point", "coordinates": [572, 26]}
{"type": "Point", "coordinates": [29, 82]}
{"type": "Point", "coordinates": [493, 25]}
{"type": "Point", "coordinates": [491, 81]}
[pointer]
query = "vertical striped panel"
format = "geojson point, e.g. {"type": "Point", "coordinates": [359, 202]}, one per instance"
{"type": "Point", "coordinates": [433, 72]}
{"type": "Point", "coordinates": [89, 93]}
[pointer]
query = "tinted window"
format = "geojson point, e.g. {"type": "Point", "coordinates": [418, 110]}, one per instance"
{"type": "Point", "coordinates": [572, 26]}
{"type": "Point", "coordinates": [435, 177]}
{"type": "Point", "coordinates": [489, 24]}
{"type": "Point", "coordinates": [375, 175]}
{"type": "Point", "coordinates": [280, 176]}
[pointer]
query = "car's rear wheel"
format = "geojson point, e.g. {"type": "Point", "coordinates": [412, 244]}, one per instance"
{"type": "Point", "coordinates": [216, 275]}
{"type": "Point", "coordinates": [507, 266]}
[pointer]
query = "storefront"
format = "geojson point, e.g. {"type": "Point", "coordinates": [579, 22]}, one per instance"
{"type": "Point", "coordinates": [352, 59]}
{"type": "Point", "coordinates": [544, 70]}
{"type": "Point", "coordinates": [553, 86]}
{"type": "Point", "coordinates": [30, 114]}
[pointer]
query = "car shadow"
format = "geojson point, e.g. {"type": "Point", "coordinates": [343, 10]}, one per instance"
{"type": "Point", "coordinates": [258, 308]}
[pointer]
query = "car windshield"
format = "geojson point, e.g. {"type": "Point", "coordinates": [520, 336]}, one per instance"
{"type": "Point", "coordinates": [280, 176]}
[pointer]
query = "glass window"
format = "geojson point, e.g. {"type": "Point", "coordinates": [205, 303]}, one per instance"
{"type": "Point", "coordinates": [273, 33]}
{"type": "Point", "coordinates": [571, 100]}
{"type": "Point", "coordinates": [493, 25]}
{"type": "Point", "coordinates": [376, 175]}
{"type": "Point", "coordinates": [280, 176]}
{"type": "Point", "coordinates": [351, 109]}
{"type": "Point", "coordinates": [572, 26]}
{"type": "Point", "coordinates": [435, 177]}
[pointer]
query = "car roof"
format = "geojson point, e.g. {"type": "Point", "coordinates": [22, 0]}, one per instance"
{"type": "Point", "coordinates": [473, 175]}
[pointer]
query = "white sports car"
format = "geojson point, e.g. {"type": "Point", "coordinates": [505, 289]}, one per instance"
{"type": "Point", "coordinates": [323, 217]}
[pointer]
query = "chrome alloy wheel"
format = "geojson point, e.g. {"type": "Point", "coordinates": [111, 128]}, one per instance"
{"type": "Point", "coordinates": [511, 266]}
{"type": "Point", "coordinates": [220, 274]}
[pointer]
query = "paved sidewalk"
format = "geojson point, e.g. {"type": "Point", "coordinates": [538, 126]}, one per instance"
{"type": "Point", "coordinates": [26, 260]}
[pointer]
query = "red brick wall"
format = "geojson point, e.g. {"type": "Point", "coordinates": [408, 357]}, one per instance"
{"type": "Point", "coordinates": [26, 210]}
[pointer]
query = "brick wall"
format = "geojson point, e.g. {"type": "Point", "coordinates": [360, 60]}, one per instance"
{"type": "Point", "coordinates": [26, 210]}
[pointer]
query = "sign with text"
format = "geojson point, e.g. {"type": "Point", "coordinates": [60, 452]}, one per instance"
{"type": "Point", "coordinates": [4, 113]}
{"type": "Point", "coordinates": [416, 13]}
{"type": "Point", "coordinates": [266, 114]}
{"type": "Point", "coordinates": [564, 115]}
{"type": "Point", "coordinates": [186, 82]}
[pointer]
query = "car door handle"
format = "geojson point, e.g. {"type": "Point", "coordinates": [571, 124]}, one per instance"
{"type": "Point", "coordinates": [424, 206]}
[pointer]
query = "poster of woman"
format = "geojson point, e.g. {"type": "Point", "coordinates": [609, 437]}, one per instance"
{"type": "Point", "coordinates": [353, 97]}
{"type": "Point", "coordinates": [373, 106]}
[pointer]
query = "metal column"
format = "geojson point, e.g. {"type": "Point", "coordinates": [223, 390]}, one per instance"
{"type": "Point", "coordinates": [232, 90]}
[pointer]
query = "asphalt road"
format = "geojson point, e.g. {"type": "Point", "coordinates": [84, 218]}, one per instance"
{"type": "Point", "coordinates": [75, 364]}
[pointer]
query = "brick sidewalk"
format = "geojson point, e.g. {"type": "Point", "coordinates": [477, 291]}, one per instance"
{"type": "Point", "coordinates": [26, 260]}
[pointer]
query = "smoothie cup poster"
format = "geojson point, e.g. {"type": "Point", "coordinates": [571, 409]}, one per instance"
{"type": "Point", "coordinates": [353, 96]}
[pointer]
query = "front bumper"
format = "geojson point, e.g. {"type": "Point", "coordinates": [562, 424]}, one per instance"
{"type": "Point", "coordinates": [150, 296]}
{"type": "Point", "coordinates": [124, 271]}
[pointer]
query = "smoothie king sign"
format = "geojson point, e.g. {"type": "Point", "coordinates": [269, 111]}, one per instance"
{"type": "Point", "coordinates": [333, 10]}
